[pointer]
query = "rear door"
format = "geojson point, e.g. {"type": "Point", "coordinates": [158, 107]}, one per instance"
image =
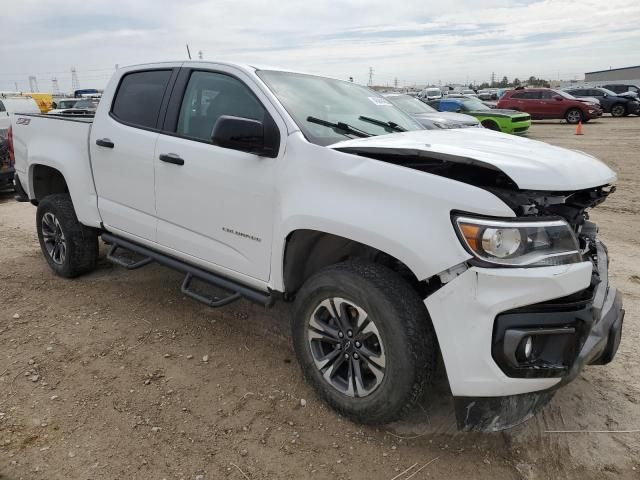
{"type": "Point", "coordinates": [532, 103]}
{"type": "Point", "coordinates": [122, 145]}
{"type": "Point", "coordinates": [549, 106]}
{"type": "Point", "coordinates": [216, 206]}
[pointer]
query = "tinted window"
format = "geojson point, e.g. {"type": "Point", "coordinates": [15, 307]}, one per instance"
{"type": "Point", "coordinates": [139, 97]}
{"type": "Point", "coordinates": [532, 95]}
{"type": "Point", "coordinates": [518, 95]}
{"type": "Point", "coordinates": [548, 94]}
{"type": "Point", "coordinates": [593, 93]}
{"type": "Point", "coordinates": [2, 109]}
{"type": "Point", "coordinates": [209, 96]}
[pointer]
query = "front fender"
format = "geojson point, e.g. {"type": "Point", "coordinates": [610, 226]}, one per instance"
{"type": "Point", "coordinates": [402, 212]}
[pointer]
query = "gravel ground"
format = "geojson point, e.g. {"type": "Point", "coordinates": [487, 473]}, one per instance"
{"type": "Point", "coordinates": [118, 375]}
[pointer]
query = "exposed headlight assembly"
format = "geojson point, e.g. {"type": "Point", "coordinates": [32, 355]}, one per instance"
{"type": "Point", "coordinates": [519, 243]}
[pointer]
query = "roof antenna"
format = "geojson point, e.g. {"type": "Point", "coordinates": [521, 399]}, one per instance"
{"type": "Point", "coordinates": [188, 51]}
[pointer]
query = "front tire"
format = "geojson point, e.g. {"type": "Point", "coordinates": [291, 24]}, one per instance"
{"type": "Point", "coordinates": [491, 125]}
{"type": "Point", "coordinates": [618, 110]}
{"type": "Point", "coordinates": [364, 341]}
{"type": "Point", "coordinates": [573, 116]}
{"type": "Point", "coordinates": [69, 247]}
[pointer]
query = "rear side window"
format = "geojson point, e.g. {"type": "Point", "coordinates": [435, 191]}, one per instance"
{"type": "Point", "coordinates": [517, 95]}
{"type": "Point", "coordinates": [139, 97]}
{"type": "Point", "coordinates": [532, 95]}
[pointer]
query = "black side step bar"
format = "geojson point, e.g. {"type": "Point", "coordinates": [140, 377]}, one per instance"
{"type": "Point", "coordinates": [238, 290]}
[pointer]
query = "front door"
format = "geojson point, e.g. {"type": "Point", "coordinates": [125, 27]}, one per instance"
{"type": "Point", "coordinates": [215, 205]}
{"type": "Point", "coordinates": [122, 145]}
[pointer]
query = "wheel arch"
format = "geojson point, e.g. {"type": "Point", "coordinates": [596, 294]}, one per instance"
{"type": "Point", "coordinates": [46, 180]}
{"type": "Point", "coordinates": [307, 251]}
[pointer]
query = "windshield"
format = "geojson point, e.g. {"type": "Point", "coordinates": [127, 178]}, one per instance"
{"type": "Point", "coordinates": [608, 92]}
{"type": "Point", "coordinates": [473, 104]}
{"type": "Point", "coordinates": [66, 103]}
{"type": "Point", "coordinates": [329, 101]}
{"type": "Point", "coordinates": [410, 104]}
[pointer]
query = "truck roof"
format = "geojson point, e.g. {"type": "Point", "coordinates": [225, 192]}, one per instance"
{"type": "Point", "coordinates": [249, 68]}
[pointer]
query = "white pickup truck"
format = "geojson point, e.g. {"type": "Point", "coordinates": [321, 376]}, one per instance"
{"type": "Point", "coordinates": [399, 247]}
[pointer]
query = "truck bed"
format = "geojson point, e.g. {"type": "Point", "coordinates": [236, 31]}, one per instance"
{"type": "Point", "coordinates": [60, 143]}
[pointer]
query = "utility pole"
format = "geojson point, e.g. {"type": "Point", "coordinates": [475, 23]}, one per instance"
{"type": "Point", "coordinates": [200, 55]}
{"type": "Point", "coordinates": [75, 82]}
{"type": "Point", "coordinates": [55, 88]}
{"type": "Point", "coordinates": [33, 83]}
{"type": "Point", "coordinates": [493, 78]}
{"type": "Point", "coordinates": [395, 82]}
{"type": "Point", "coordinates": [370, 76]}
{"type": "Point", "coordinates": [16, 84]}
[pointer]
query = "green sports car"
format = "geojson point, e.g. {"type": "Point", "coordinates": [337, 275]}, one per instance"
{"type": "Point", "coordinates": [506, 121]}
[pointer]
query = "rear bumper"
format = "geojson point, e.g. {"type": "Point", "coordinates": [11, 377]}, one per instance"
{"type": "Point", "coordinates": [472, 318]}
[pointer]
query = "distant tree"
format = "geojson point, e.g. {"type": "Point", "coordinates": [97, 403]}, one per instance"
{"type": "Point", "coordinates": [516, 82]}
{"type": "Point", "coordinates": [504, 82]}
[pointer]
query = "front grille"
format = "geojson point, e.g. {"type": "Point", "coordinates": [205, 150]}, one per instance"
{"type": "Point", "coordinates": [520, 129]}
{"type": "Point", "coordinates": [522, 118]}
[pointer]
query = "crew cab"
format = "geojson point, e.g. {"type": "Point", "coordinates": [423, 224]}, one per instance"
{"type": "Point", "coordinates": [396, 245]}
{"type": "Point", "coordinates": [546, 103]}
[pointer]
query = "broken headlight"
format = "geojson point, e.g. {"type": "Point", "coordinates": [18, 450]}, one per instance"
{"type": "Point", "coordinates": [519, 243]}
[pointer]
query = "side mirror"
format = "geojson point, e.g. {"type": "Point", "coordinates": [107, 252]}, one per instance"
{"type": "Point", "coordinates": [246, 135]}
{"type": "Point", "coordinates": [458, 110]}
{"type": "Point", "coordinates": [558, 97]}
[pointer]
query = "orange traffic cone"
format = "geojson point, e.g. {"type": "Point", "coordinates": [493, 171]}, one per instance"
{"type": "Point", "coordinates": [579, 128]}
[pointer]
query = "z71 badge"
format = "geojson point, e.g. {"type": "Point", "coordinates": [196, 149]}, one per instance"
{"type": "Point", "coordinates": [23, 121]}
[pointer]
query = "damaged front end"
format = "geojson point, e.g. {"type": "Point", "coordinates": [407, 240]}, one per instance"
{"type": "Point", "coordinates": [532, 324]}
{"type": "Point", "coordinates": [554, 338]}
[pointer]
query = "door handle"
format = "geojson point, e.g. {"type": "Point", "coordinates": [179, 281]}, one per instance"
{"type": "Point", "coordinates": [171, 158]}
{"type": "Point", "coordinates": [104, 142]}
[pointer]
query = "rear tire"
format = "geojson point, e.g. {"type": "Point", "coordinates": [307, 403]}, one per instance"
{"type": "Point", "coordinates": [381, 320]}
{"type": "Point", "coordinates": [69, 247]}
{"type": "Point", "coordinates": [618, 110]}
{"type": "Point", "coordinates": [574, 116]}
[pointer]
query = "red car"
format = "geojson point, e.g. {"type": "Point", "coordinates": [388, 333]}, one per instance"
{"type": "Point", "coordinates": [543, 103]}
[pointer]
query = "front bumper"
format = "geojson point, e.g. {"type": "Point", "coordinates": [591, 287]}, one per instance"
{"type": "Point", "coordinates": [6, 176]}
{"type": "Point", "coordinates": [472, 312]}
{"type": "Point", "coordinates": [595, 113]}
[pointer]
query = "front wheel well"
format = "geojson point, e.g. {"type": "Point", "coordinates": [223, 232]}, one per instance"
{"type": "Point", "coordinates": [47, 181]}
{"type": "Point", "coordinates": [308, 251]}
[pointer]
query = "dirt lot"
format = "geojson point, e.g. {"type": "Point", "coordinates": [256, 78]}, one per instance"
{"type": "Point", "coordinates": [103, 377]}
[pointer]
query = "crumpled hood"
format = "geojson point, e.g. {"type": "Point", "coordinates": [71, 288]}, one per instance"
{"type": "Point", "coordinates": [531, 164]}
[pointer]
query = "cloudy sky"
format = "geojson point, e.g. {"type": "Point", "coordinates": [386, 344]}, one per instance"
{"type": "Point", "coordinates": [413, 41]}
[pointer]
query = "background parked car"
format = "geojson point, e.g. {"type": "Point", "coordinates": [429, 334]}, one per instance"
{"type": "Point", "coordinates": [90, 104]}
{"type": "Point", "coordinates": [547, 103]}
{"type": "Point", "coordinates": [429, 117]}
{"type": "Point", "coordinates": [616, 105]}
{"type": "Point", "coordinates": [63, 104]}
{"type": "Point", "coordinates": [506, 121]}
{"type": "Point", "coordinates": [488, 94]}
{"type": "Point", "coordinates": [430, 93]}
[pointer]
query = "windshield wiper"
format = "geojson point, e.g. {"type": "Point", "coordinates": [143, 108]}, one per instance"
{"type": "Point", "coordinates": [388, 126]}
{"type": "Point", "coordinates": [340, 126]}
